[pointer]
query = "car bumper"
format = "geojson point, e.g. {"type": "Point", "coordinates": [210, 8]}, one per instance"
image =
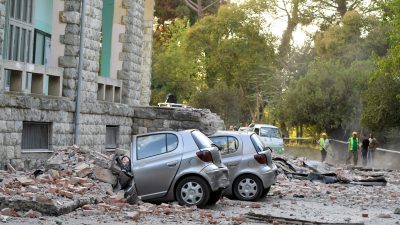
{"type": "Point", "coordinates": [217, 177]}
{"type": "Point", "coordinates": [268, 175]}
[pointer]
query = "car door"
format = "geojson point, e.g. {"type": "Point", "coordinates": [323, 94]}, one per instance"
{"type": "Point", "coordinates": [156, 160]}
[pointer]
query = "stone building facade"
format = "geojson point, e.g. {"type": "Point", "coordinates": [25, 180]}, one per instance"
{"type": "Point", "coordinates": [39, 47]}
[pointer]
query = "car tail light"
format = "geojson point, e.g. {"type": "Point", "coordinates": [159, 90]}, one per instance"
{"type": "Point", "coordinates": [204, 156]}
{"type": "Point", "coordinates": [261, 158]}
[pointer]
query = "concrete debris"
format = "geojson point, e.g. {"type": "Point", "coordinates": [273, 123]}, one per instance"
{"type": "Point", "coordinates": [384, 215]}
{"type": "Point", "coordinates": [73, 179]}
{"type": "Point", "coordinates": [319, 172]}
{"type": "Point", "coordinates": [285, 220]}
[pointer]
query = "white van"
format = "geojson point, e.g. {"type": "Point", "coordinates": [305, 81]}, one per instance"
{"type": "Point", "coordinates": [270, 135]}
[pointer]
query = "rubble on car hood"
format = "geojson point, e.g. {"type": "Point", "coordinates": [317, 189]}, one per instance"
{"type": "Point", "coordinates": [70, 180]}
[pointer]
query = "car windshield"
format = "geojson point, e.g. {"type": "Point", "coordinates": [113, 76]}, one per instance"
{"type": "Point", "coordinates": [201, 140]}
{"type": "Point", "coordinates": [270, 132]}
{"type": "Point", "coordinates": [258, 145]}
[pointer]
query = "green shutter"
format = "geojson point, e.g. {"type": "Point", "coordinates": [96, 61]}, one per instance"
{"type": "Point", "coordinates": [107, 25]}
{"type": "Point", "coordinates": [43, 15]}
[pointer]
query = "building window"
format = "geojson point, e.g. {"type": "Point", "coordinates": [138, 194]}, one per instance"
{"type": "Point", "coordinates": [35, 136]}
{"type": "Point", "coordinates": [19, 30]}
{"type": "Point", "coordinates": [112, 137]}
{"type": "Point", "coordinates": [42, 48]}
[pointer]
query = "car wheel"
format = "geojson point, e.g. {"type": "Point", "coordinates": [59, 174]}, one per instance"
{"type": "Point", "coordinates": [247, 188]}
{"type": "Point", "coordinates": [193, 191]}
{"type": "Point", "coordinates": [214, 197]}
{"type": "Point", "coordinates": [265, 192]}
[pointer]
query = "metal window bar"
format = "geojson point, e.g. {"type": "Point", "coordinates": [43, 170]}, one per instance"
{"type": "Point", "coordinates": [35, 136]}
{"type": "Point", "coordinates": [111, 137]}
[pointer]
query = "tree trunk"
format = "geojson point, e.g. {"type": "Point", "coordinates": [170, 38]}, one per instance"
{"type": "Point", "coordinates": [341, 7]}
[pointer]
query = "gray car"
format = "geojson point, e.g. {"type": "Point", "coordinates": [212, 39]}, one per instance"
{"type": "Point", "coordinates": [250, 165]}
{"type": "Point", "coordinates": [182, 166]}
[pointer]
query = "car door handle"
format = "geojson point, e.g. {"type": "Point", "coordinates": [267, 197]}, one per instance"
{"type": "Point", "coordinates": [172, 164]}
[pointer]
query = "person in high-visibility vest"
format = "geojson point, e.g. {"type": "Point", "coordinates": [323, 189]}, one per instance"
{"type": "Point", "coordinates": [324, 144]}
{"type": "Point", "coordinates": [353, 146]}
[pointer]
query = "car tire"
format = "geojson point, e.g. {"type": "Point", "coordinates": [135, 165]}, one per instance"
{"type": "Point", "coordinates": [265, 192]}
{"type": "Point", "coordinates": [247, 187]}
{"type": "Point", "coordinates": [214, 197]}
{"type": "Point", "coordinates": [192, 191]}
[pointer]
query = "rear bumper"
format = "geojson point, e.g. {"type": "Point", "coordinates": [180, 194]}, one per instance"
{"type": "Point", "coordinates": [217, 177]}
{"type": "Point", "coordinates": [268, 175]}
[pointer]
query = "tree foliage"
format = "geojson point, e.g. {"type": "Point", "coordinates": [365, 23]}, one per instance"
{"type": "Point", "coordinates": [327, 96]}
{"type": "Point", "coordinates": [173, 69]}
{"type": "Point", "coordinates": [382, 102]}
{"type": "Point", "coordinates": [234, 50]}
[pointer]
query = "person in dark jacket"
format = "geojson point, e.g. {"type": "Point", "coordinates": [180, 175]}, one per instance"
{"type": "Point", "coordinates": [364, 149]}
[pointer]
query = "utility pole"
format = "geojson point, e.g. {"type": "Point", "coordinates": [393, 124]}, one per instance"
{"type": "Point", "coordinates": [77, 132]}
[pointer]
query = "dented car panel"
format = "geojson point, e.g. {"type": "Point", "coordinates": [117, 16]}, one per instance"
{"type": "Point", "coordinates": [238, 151]}
{"type": "Point", "coordinates": [161, 160]}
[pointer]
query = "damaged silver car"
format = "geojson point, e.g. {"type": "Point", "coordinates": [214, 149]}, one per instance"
{"type": "Point", "coordinates": [251, 170]}
{"type": "Point", "coordinates": [182, 166]}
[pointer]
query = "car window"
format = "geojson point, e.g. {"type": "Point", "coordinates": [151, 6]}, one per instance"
{"type": "Point", "coordinates": [270, 132]}
{"type": "Point", "coordinates": [156, 144]}
{"type": "Point", "coordinates": [202, 141]}
{"type": "Point", "coordinates": [233, 144]}
{"type": "Point", "coordinates": [172, 142]}
{"type": "Point", "coordinates": [226, 143]}
{"type": "Point", "coordinates": [222, 143]}
{"type": "Point", "coordinates": [257, 143]}
{"type": "Point", "coordinates": [257, 130]}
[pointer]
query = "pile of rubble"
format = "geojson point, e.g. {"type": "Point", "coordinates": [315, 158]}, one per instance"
{"type": "Point", "coordinates": [71, 179]}
{"type": "Point", "coordinates": [347, 185]}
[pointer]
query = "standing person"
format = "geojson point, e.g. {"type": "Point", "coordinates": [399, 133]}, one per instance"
{"type": "Point", "coordinates": [353, 149]}
{"type": "Point", "coordinates": [373, 144]}
{"type": "Point", "coordinates": [324, 144]}
{"type": "Point", "coordinates": [364, 150]}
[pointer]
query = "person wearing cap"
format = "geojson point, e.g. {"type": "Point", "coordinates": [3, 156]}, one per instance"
{"type": "Point", "coordinates": [353, 148]}
{"type": "Point", "coordinates": [324, 144]}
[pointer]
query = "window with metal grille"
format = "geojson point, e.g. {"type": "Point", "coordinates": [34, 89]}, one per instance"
{"type": "Point", "coordinates": [111, 137]}
{"type": "Point", "coordinates": [19, 30]}
{"type": "Point", "coordinates": [35, 136]}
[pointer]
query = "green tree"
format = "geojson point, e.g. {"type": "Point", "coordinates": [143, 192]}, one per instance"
{"type": "Point", "coordinates": [174, 70]}
{"type": "Point", "coordinates": [355, 38]}
{"type": "Point", "coordinates": [328, 96]}
{"type": "Point", "coordinates": [233, 49]}
{"type": "Point", "coordinates": [382, 102]}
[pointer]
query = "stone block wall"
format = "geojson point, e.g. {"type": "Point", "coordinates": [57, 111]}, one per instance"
{"type": "Point", "coordinates": [19, 108]}
{"type": "Point", "coordinates": [2, 36]}
{"type": "Point", "coordinates": [59, 112]}
{"type": "Point", "coordinates": [151, 119]}
{"type": "Point", "coordinates": [131, 54]}
{"type": "Point", "coordinates": [146, 66]}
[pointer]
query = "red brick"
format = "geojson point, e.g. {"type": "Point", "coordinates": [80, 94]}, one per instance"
{"type": "Point", "coordinates": [66, 194]}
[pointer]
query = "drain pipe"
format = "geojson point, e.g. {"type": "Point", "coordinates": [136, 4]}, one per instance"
{"type": "Point", "coordinates": [77, 131]}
